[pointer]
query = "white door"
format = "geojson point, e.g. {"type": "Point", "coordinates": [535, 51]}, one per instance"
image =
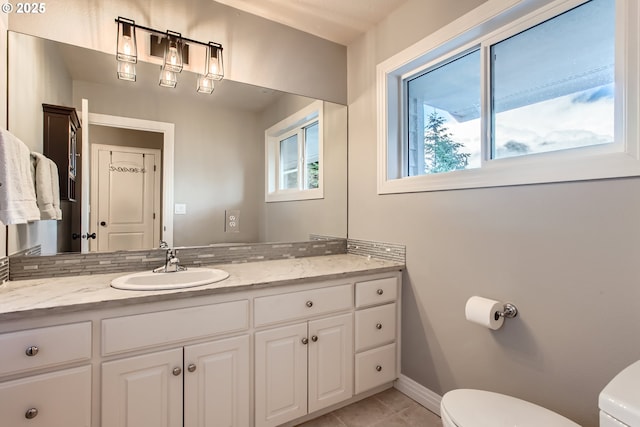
{"type": "Point", "coordinates": [216, 383]}
{"type": "Point", "coordinates": [143, 391]}
{"type": "Point", "coordinates": [126, 201]}
{"type": "Point", "coordinates": [330, 361]}
{"type": "Point", "coordinates": [280, 375]}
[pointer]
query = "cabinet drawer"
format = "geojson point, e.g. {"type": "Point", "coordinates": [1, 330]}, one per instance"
{"type": "Point", "coordinates": [126, 333]}
{"type": "Point", "coordinates": [375, 326]}
{"type": "Point", "coordinates": [375, 367]}
{"type": "Point", "coordinates": [377, 291]}
{"type": "Point", "coordinates": [49, 346]}
{"type": "Point", "coordinates": [296, 305]}
{"type": "Point", "coordinates": [57, 399]}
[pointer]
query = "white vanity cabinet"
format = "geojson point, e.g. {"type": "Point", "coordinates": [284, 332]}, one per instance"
{"type": "Point", "coordinates": [35, 398]}
{"type": "Point", "coordinates": [306, 366]}
{"type": "Point", "coordinates": [206, 384]}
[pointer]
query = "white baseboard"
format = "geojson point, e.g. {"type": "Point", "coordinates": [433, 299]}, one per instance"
{"type": "Point", "coordinates": [419, 393]}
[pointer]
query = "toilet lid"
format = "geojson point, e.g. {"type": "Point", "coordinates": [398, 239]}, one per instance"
{"type": "Point", "coordinates": [479, 408]}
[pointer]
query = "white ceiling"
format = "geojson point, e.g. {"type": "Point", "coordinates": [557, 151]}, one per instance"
{"type": "Point", "coordinates": [340, 21]}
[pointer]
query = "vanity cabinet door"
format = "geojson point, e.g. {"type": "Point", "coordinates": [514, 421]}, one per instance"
{"type": "Point", "coordinates": [281, 374]}
{"type": "Point", "coordinates": [216, 383]}
{"type": "Point", "coordinates": [143, 391]}
{"type": "Point", "coordinates": [330, 361]}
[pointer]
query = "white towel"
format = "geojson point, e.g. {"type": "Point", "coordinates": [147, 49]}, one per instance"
{"type": "Point", "coordinates": [55, 183]}
{"type": "Point", "coordinates": [17, 191]}
{"type": "Point", "coordinates": [45, 190]}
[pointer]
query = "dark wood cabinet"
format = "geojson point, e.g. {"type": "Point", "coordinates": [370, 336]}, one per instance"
{"type": "Point", "coordinates": [61, 127]}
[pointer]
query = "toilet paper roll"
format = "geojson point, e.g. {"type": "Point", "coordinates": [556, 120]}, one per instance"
{"type": "Point", "coordinates": [483, 312]}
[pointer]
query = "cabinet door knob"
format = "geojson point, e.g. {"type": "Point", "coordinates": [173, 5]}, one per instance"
{"type": "Point", "coordinates": [378, 368]}
{"type": "Point", "coordinates": [378, 325]}
{"type": "Point", "coordinates": [314, 338]}
{"type": "Point", "coordinates": [31, 413]}
{"type": "Point", "coordinates": [32, 351]}
{"type": "Point", "coordinates": [309, 303]}
{"type": "Point", "coordinates": [191, 367]}
{"type": "Point", "coordinates": [305, 340]}
{"type": "Point", "coordinates": [380, 292]}
{"type": "Point", "coordinates": [177, 371]}
{"type": "Point", "coordinates": [103, 223]}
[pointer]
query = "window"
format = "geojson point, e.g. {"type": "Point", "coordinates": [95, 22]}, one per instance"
{"type": "Point", "coordinates": [508, 96]}
{"type": "Point", "coordinates": [294, 156]}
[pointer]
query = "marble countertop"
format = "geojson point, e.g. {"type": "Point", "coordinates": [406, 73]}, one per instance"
{"type": "Point", "coordinates": [19, 299]}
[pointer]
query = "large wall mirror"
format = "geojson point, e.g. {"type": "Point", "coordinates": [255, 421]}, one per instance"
{"type": "Point", "coordinates": [218, 154]}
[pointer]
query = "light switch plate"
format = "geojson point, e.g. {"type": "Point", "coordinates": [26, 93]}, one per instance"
{"type": "Point", "coordinates": [232, 221]}
{"type": "Point", "coordinates": [180, 209]}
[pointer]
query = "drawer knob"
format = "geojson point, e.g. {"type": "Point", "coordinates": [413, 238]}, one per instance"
{"type": "Point", "coordinates": [309, 303]}
{"type": "Point", "coordinates": [378, 325]}
{"type": "Point", "coordinates": [305, 341]}
{"type": "Point", "coordinates": [380, 292]}
{"type": "Point", "coordinates": [378, 368]}
{"type": "Point", "coordinates": [32, 351]}
{"type": "Point", "coordinates": [177, 371]}
{"type": "Point", "coordinates": [31, 413]}
{"type": "Point", "coordinates": [191, 367]}
{"type": "Point", "coordinates": [314, 338]}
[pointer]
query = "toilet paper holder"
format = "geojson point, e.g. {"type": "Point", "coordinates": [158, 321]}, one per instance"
{"type": "Point", "coordinates": [509, 311]}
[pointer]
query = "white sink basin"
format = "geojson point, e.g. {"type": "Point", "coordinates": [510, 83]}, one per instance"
{"type": "Point", "coordinates": [149, 281]}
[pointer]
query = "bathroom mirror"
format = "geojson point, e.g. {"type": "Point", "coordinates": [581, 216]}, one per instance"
{"type": "Point", "coordinates": [219, 145]}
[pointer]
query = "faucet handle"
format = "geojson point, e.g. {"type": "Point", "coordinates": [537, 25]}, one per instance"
{"type": "Point", "coordinates": [163, 245]}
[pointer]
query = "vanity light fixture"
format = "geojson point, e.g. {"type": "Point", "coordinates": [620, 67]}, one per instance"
{"type": "Point", "coordinates": [174, 54]}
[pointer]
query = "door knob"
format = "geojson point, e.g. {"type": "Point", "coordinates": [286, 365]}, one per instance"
{"type": "Point", "coordinates": [90, 236]}
{"type": "Point", "coordinates": [75, 236]}
{"type": "Point", "coordinates": [177, 371]}
{"type": "Point", "coordinates": [314, 338]}
{"type": "Point", "coordinates": [191, 367]}
{"type": "Point", "coordinates": [305, 341]}
{"type": "Point", "coordinates": [378, 325]}
{"type": "Point", "coordinates": [103, 223]}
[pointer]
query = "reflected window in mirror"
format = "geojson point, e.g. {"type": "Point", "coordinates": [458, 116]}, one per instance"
{"type": "Point", "coordinates": [294, 156]}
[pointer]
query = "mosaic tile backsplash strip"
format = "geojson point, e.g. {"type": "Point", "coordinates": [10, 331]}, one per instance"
{"type": "Point", "coordinates": [388, 251]}
{"type": "Point", "coordinates": [32, 267]}
{"type": "Point", "coordinates": [4, 269]}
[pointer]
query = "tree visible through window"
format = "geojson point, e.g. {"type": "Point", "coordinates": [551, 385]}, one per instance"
{"type": "Point", "coordinates": [441, 152]}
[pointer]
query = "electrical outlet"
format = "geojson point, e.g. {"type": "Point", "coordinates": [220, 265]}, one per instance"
{"type": "Point", "coordinates": [232, 221]}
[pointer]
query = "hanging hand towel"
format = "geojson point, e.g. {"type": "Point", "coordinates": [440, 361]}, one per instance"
{"type": "Point", "coordinates": [44, 187]}
{"type": "Point", "coordinates": [55, 183]}
{"type": "Point", "coordinates": [17, 193]}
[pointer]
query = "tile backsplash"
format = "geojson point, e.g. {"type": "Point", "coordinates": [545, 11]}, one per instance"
{"type": "Point", "coordinates": [389, 251]}
{"type": "Point", "coordinates": [32, 267]}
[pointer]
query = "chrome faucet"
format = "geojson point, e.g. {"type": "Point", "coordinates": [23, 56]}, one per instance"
{"type": "Point", "coordinates": [171, 263]}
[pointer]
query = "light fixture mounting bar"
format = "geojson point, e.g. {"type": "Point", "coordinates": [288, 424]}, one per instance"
{"type": "Point", "coordinates": [164, 33]}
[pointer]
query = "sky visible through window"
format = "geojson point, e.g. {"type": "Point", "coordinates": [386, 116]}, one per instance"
{"type": "Point", "coordinates": [556, 124]}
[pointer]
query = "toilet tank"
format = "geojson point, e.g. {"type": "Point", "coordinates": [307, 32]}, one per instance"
{"type": "Point", "coordinates": [619, 401]}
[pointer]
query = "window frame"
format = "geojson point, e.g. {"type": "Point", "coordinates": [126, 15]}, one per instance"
{"type": "Point", "coordinates": [494, 21]}
{"type": "Point", "coordinates": [295, 124]}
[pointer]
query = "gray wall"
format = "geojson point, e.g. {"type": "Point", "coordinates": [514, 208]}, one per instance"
{"type": "Point", "coordinates": [566, 254]}
{"type": "Point", "coordinates": [295, 220]}
{"type": "Point", "coordinates": [4, 25]}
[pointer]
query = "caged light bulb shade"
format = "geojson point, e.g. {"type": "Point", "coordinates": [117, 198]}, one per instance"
{"type": "Point", "coordinates": [205, 84]}
{"type": "Point", "coordinates": [127, 50]}
{"type": "Point", "coordinates": [214, 68]}
{"type": "Point", "coordinates": [168, 78]}
{"type": "Point", "coordinates": [173, 56]}
{"type": "Point", "coordinates": [127, 71]}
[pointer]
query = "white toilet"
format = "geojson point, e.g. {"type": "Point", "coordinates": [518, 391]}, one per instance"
{"type": "Point", "coordinates": [619, 407]}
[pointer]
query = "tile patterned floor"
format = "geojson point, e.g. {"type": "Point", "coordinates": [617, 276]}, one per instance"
{"type": "Point", "coordinates": [389, 408]}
